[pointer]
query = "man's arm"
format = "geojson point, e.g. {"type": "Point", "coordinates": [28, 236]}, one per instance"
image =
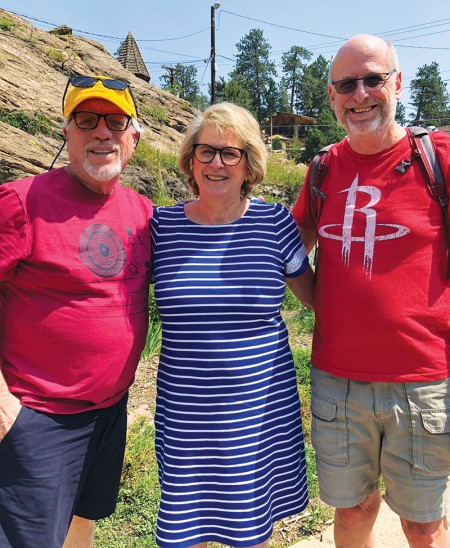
{"type": "Point", "coordinates": [9, 408]}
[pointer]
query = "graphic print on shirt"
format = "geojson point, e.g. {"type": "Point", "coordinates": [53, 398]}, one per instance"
{"type": "Point", "coordinates": [369, 238]}
{"type": "Point", "coordinates": [102, 251]}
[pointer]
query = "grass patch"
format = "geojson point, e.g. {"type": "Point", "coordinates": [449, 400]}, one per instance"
{"type": "Point", "coordinates": [154, 160]}
{"type": "Point", "coordinates": [133, 525]}
{"type": "Point", "coordinates": [6, 24]}
{"type": "Point", "coordinates": [33, 123]}
{"type": "Point", "coordinates": [157, 113]}
{"type": "Point", "coordinates": [285, 172]}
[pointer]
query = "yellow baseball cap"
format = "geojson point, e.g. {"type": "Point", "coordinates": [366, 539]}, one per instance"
{"type": "Point", "coordinates": [82, 88]}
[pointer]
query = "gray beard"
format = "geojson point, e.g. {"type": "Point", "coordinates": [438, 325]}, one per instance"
{"type": "Point", "coordinates": [374, 126]}
{"type": "Point", "coordinates": [104, 173]}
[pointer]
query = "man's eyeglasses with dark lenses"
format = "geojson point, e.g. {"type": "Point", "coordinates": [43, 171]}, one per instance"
{"type": "Point", "coordinates": [230, 156]}
{"type": "Point", "coordinates": [90, 120]}
{"type": "Point", "coordinates": [373, 81]}
{"type": "Point", "coordinates": [90, 81]}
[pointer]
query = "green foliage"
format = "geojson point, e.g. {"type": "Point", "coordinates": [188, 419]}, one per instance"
{"type": "Point", "coordinates": [153, 340]}
{"type": "Point", "coordinates": [6, 24]}
{"type": "Point", "coordinates": [301, 321]}
{"type": "Point", "coordinates": [33, 123]}
{"type": "Point", "coordinates": [294, 152]}
{"type": "Point", "coordinates": [182, 82]}
{"type": "Point", "coordinates": [154, 160]}
{"type": "Point", "coordinates": [312, 94]}
{"type": "Point", "coordinates": [256, 71]}
{"type": "Point", "coordinates": [157, 113]}
{"type": "Point", "coordinates": [233, 91]}
{"type": "Point", "coordinates": [277, 143]}
{"type": "Point", "coordinates": [302, 361]}
{"type": "Point", "coordinates": [400, 114]}
{"type": "Point", "coordinates": [429, 97]}
{"type": "Point", "coordinates": [133, 525]}
{"type": "Point", "coordinates": [56, 55]}
{"type": "Point", "coordinates": [290, 301]}
{"type": "Point", "coordinates": [293, 68]}
{"type": "Point", "coordinates": [323, 133]}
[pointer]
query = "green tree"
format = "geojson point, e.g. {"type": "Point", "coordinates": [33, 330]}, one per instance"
{"type": "Point", "coordinates": [293, 67]}
{"type": "Point", "coordinates": [256, 72]}
{"type": "Point", "coordinates": [182, 82]}
{"type": "Point", "coordinates": [429, 97]}
{"type": "Point", "coordinates": [400, 114]}
{"type": "Point", "coordinates": [233, 91]}
{"type": "Point", "coordinates": [323, 133]}
{"type": "Point", "coordinates": [312, 93]}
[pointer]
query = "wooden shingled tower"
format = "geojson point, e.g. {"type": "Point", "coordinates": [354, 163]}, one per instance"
{"type": "Point", "coordinates": [130, 57]}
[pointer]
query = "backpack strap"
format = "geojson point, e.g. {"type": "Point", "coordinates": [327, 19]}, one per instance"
{"type": "Point", "coordinates": [424, 151]}
{"type": "Point", "coordinates": [317, 173]}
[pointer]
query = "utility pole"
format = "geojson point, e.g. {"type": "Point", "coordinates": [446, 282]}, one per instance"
{"type": "Point", "coordinates": [215, 7]}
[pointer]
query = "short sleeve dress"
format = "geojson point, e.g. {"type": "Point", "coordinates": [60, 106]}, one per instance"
{"type": "Point", "coordinates": [229, 438]}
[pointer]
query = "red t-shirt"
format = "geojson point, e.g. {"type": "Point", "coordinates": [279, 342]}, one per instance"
{"type": "Point", "coordinates": [74, 277]}
{"type": "Point", "coordinates": [382, 299]}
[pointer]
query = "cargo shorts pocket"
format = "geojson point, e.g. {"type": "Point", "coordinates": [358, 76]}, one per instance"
{"type": "Point", "coordinates": [329, 425]}
{"type": "Point", "coordinates": [430, 425]}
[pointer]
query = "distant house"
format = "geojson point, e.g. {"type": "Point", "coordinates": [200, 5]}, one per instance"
{"type": "Point", "coordinates": [130, 57]}
{"type": "Point", "coordinates": [287, 125]}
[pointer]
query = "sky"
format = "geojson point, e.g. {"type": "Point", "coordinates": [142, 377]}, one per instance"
{"type": "Point", "coordinates": [174, 31]}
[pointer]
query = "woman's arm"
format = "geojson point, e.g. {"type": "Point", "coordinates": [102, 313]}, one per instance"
{"type": "Point", "coordinates": [302, 287]}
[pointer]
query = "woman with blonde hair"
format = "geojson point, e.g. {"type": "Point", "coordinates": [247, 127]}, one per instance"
{"type": "Point", "coordinates": [229, 438]}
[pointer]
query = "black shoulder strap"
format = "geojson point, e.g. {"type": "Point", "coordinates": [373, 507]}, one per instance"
{"type": "Point", "coordinates": [317, 174]}
{"type": "Point", "coordinates": [425, 152]}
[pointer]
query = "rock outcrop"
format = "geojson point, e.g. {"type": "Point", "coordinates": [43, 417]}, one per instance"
{"type": "Point", "coordinates": [34, 68]}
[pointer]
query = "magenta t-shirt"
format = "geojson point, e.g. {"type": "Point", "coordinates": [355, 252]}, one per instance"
{"type": "Point", "coordinates": [74, 278]}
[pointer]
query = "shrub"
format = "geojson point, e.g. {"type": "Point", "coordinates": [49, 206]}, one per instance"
{"type": "Point", "coordinates": [6, 24]}
{"type": "Point", "coordinates": [56, 55]}
{"type": "Point", "coordinates": [34, 123]}
{"type": "Point", "coordinates": [157, 113]}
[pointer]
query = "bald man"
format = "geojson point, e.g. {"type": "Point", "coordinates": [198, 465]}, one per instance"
{"type": "Point", "coordinates": [380, 375]}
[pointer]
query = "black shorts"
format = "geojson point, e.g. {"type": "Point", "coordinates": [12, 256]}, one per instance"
{"type": "Point", "coordinates": [55, 466]}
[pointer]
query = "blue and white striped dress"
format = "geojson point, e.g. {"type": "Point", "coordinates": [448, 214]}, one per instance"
{"type": "Point", "coordinates": [229, 438]}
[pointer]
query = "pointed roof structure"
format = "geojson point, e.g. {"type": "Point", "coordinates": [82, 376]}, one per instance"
{"type": "Point", "coordinates": [130, 57]}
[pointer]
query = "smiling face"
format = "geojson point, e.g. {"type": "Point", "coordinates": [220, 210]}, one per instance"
{"type": "Point", "coordinates": [365, 111]}
{"type": "Point", "coordinates": [98, 156]}
{"type": "Point", "coordinates": [217, 179]}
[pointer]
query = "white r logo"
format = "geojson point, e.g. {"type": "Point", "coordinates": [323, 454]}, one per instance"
{"type": "Point", "coordinates": [369, 237]}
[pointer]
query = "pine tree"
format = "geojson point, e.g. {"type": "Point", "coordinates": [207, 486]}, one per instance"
{"type": "Point", "coordinates": [429, 97]}
{"type": "Point", "coordinates": [256, 72]}
{"type": "Point", "coordinates": [293, 67]}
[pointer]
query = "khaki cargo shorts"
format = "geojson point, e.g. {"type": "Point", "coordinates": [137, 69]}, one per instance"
{"type": "Point", "coordinates": [400, 431]}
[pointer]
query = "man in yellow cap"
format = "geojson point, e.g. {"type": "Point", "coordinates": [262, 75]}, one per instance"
{"type": "Point", "coordinates": [74, 277]}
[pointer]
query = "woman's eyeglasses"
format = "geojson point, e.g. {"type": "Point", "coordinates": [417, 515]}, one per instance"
{"type": "Point", "coordinates": [90, 120]}
{"type": "Point", "coordinates": [373, 81]}
{"type": "Point", "coordinates": [90, 81]}
{"type": "Point", "coordinates": [230, 156]}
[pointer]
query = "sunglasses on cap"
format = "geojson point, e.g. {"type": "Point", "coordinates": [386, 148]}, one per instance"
{"type": "Point", "coordinates": [90, 81]}
{"type": "Point", "coordinates": [375, 80]}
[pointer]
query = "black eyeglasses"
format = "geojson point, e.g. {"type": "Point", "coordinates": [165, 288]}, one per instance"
{"type": "Point", "coordinates": [230, 156]}
{"type": "Point", "coordinates": [373, 81]}
{"type": "Point", "coordinates": [90, 120]}
{"type": "Point", "coordinates": [90, 81]}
